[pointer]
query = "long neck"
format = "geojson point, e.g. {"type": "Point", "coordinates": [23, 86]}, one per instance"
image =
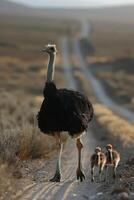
{"type": "Point", "coordinates": [97, 159]}
{"type": "Point", "coordinates": [51, 66]}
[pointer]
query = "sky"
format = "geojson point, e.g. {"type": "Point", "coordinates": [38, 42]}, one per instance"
{"type": "Point", "coordinates": [74, 3]}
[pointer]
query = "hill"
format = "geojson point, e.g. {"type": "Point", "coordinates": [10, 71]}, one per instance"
{"type": "Point", "coordinates": [122, 14]}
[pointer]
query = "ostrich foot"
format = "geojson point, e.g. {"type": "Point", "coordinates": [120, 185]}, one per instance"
{"type": "Point", "coordinates": [80, 175]}
{"type": "Point", "coordinates": [56, 178]}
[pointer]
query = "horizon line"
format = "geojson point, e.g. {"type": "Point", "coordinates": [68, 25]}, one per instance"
{"type": "Point", "coordinates": [70, 7]}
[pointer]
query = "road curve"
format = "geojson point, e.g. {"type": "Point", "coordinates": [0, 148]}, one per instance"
{"type": "Point", "coordinates": [97, 86]}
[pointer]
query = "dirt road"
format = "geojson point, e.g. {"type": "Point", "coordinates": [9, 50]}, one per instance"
{"type": "Point", "coordinates": [68, 188]}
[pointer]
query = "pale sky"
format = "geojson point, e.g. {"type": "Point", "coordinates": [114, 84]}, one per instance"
{"type": "Point", "coordinates": [74, 3]}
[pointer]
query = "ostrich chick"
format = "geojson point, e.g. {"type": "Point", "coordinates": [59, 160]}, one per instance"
{"type": "Point", "coordinates": [113, 158]}
{"type": "Point", "coordinates": [98, 159]}
{"type": "Point", "coordinates": [63, 110]}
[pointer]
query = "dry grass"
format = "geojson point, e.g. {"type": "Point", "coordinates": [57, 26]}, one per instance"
{"type": "Point", "coordinates": [112, 39]}
{"type": "Point", "coordinates": [118, 84]}
{"type": "Point", "coordinates": [22, 77]}
{"type": "Point", "coordinates": [115, 126]}
{"type": "Point", "coordinates": [20, 139]}
{"type": "Point", "coordinates": [6, 183]}
{"type": "Point", "coordinates": [20, 99]}
{"type": "Point", "coordinates": [19, 135]}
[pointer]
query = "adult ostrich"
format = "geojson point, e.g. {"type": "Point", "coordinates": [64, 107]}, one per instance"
{"type": "Point", "coordinates": [63, 110]}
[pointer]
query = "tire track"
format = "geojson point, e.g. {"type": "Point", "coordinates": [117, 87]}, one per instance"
{"type": "Point", "coordinates": [24, 190]}
{"type": "Point", "coordinates": [30, 193]}
{"type": "Point", "coordinates": [43, 190]}
{"type": "Point", "coordinates": [62, 195]}
{"type": "Point", "coordinates": [49, 190]}
{"type": "Point", "coordinates": [58, 191]}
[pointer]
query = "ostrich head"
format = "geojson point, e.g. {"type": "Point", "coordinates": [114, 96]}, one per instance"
{"type": "Point", "coordinates": [109, 147]}
{"type": "Point", "coordinates": [50, 49]}
{"type": "Point", "coordinates": [97, 150]}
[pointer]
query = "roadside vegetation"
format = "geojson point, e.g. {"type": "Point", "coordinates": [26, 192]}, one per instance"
{"type": "Point", "coordinates": [115, 125]}
{"type": "Point", "coordinates": [112, 40]}
{"type": "Point", "coordinates": [117, 78]}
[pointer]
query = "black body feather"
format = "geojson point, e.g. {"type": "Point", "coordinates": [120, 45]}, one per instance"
{"type": "Point", "coordinates": [64, 110]}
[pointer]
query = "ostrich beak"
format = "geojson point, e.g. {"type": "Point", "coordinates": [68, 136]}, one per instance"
{"type": "Point", "coordinates": [44, 50]}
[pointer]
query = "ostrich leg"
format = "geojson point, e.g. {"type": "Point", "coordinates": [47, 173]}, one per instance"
{"type": "Point", "coordinates": [92, 173]}
{"type": "Point", "coordinates": [57, 176]}
{"type": "Point", "coordinates": [79, 172]}
{"type": "Point", "coordinates": [106, 173]}
{"type": "Point", "coordinates": [100, 172]}
{"type": "Point", "coordinates": [114, 171]}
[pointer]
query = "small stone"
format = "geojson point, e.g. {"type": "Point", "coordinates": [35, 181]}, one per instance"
{"type": "Point", "coordinates": [123, 196]}
{"type": "Point", "coordinates": [17, 174]}
{"type": "Point", "coordinates": [120, 190]}
{"type": "Point", "coordinates": [100, 193]}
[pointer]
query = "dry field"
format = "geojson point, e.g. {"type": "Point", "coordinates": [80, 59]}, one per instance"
{"type": "Point", "coordinates": [112, 39]}
{"type": "Point", "coordinates": [117, 77]}
{"type": "Point", "coordinates": [113, 60]}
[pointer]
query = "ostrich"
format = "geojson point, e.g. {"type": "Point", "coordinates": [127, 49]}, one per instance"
{"type": "Point", "coordinates": [98, 159]}
{"type": "Point", "coordinates": [113, 159]}
{"type": "Point", "coordinates": [63, 110]}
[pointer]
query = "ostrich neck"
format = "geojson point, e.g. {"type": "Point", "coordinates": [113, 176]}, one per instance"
{"type": "Point", "coordinates": [51, 66]}
{"type": "Point", "coordinates": [110, 156]}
